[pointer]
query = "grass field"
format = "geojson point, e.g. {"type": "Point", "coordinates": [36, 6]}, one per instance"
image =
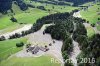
{"type": "Point", "coordinates": [29, 16]}
{"type": "Point", "coordinates": [8, 47]}
{"type": "Point", "coordinates": [57, 8]}
{"type": "Point", "coordinates": [29, 61]}
{"type": "Point", "coordinates": [92, 13]}
{"type": "Point", "coordinates": [98, 27]}
{"type": "Point", "coordinates": [5, 22]}
{"type": "Point", "coordinates": [90, 31]}
{"type": "Point", "coordinates": [11, 28]}
{"type": "Point", "coordinates": [32, 14]}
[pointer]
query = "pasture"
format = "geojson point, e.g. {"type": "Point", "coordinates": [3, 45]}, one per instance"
{"type": "Point", "coordinates": [29, 61]}
{"type": "Point", "coordinates": [8, 47]}
{"type": "Point", "coordinates": [92, 13]}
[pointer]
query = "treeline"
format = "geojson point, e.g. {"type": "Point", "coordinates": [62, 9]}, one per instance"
{"type": "Point", "coordinates": [89, 46]}
{"type": "Point", "coordinates": [49, 19]}
{"type": "Point", "coordinates": [16, 35]}
{"type": "Point", "coordinates": [80, 30]}
{"type": "Point", "coordinates": [90, 49]}
{"type": "Point", "coordinates": [7, 5]}
{"type": "Point", "coordinates": [54, 2]}
{"type": "Point", "coordinates": [63, 2]}
{"type": "Point", "coordinates": [63, 29]}
{"type": "Point", "coordinates": [78, 2]}
{"type": "Point", "coordinates": [23, 6]}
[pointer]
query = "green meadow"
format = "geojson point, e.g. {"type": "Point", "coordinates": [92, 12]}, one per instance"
{"type": "Point", "coordinates": [98, 27]}
{"type": "Point", "coordinates": [29, 16]}
{"type": "Point", "coordinates": [90, 31]}
{"type": "Point", "coordinates": [92, 13]}
{"type": "Point", "coordinates": [8, 47]}
{"type": "Point", "coordinates": [29, 61]}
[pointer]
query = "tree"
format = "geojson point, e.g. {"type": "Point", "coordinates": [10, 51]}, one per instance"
{"type": "Point", "coordinates": [20, 44]}
{"type": "Point", "coordinates": [2, 38]}
{"type": "Point", "coordinates": [41, 7]}
{"type": "Point", "coordinates": [13, 19]}
{"type": "Point", "coordinates": [93, 25]}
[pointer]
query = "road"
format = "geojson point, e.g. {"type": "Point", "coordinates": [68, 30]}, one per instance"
{"type": "Point", "coordinates": [24, 28]}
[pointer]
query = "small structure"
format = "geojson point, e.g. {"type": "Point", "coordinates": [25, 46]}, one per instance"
{"type": "Point", "coordinates": [35, 49]}
{"type": "Point", "coordinates": [43, 32]}
{"type": "Point", "coordinates": [43, 49]}
{"type": "Point", "coordinates": [53, 41]}
{"type": "Point", "coordinates": [30, 49]}
{"type": "Point", "coordinates": [50, 44]}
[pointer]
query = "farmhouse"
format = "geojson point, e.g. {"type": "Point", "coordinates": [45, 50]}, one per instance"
{"type": "Point", "coordinates": [35, 49]}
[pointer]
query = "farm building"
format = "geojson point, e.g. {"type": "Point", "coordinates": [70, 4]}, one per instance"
{"type": "Point", "coordinates": [35, 49]}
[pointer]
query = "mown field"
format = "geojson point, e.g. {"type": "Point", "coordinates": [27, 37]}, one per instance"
{"type": "Point", "coordinates": [90, 31]}
{"type": "Point", "coordinates": [29, 16]}
{"type": "Point", "coordinates": [54, 8]}
{"type": "Point", "coordinates": [29, 61]}
{"type": "Point", "coordinates": [8, 47]}
{"type": "Point", "coordinates": [98, 27]}
{"type": "Point", "coordinates": [92, 13]}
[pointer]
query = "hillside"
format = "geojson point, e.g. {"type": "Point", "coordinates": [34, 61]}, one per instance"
{"type": "Point", "coordinates": [7, 4]}
{"type": "Point", "coordinates": [49, 33]}
{"type": "Point", "coordinates": [30, 15]}
{"type": "Point", "coordinates": [91, 12]}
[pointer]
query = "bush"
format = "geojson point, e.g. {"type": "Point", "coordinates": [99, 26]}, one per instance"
{"type": "Point", "coordinates": [20, 44]}
{"type": "Point", "coordinates": [28, 45]}
{"type": "Point", "coordinates": [93, 25]}
{"type": "Point", "coordinates": [2, 38]}
{"type": "Point", "coordinates": [13, 19]}
{"type": "Point", "coordinates": [41, 7]}
{"type": "Point", "coordinates": [29, 5]}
